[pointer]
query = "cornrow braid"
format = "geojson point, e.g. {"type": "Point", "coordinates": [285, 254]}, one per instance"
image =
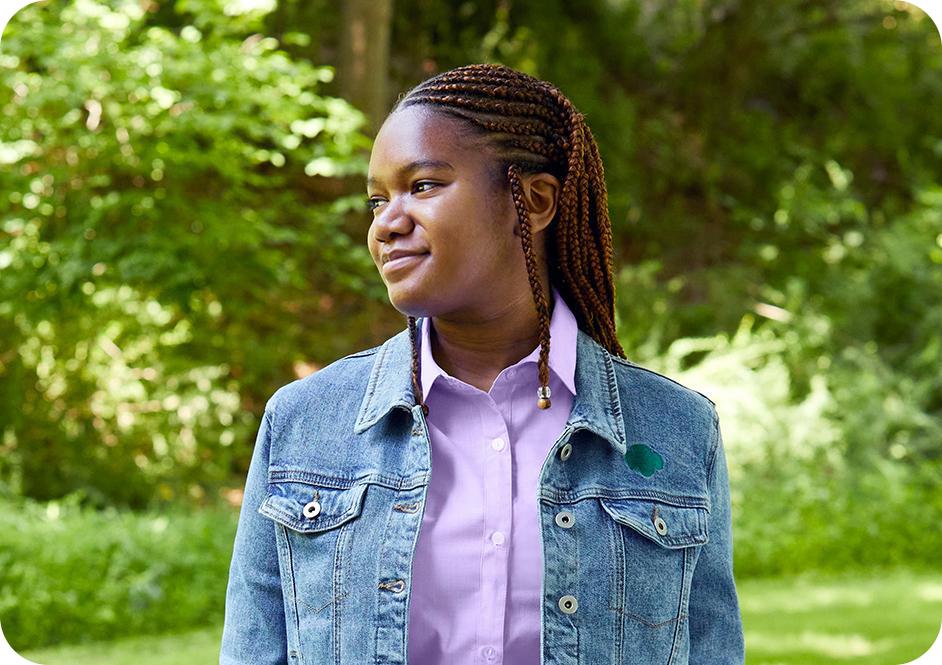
{"type": "Point", "coordinates": [531, 126]}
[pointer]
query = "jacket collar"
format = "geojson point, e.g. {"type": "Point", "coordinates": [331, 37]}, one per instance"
{"type": "Point", "coordinates": [596, 405]}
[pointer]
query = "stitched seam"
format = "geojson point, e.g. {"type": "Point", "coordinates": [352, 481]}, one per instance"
{"type": "Point", "coordinates": [279, 474]}
{"type": "Point", "coordinates": [646, 622]}
{"type": "Point", "coordinates": [614, 400]}
{"type": "Point", "coordinates": [269, 414]}
{"type": "Point", "coordinates": [631, 365]}
{"type": "Point", "coordinates": [294, 590]}
{"type": "Point", "coordinates": [714, 446]}
{"type": "Point", "coordinates": [337, 588]}
{"type": "Point", "coordinates": [378, 593]}
{"type": "Point", "coordinates": [680, 606]}
{"type": "Point", "coordinates": [375, 371]}
{"type": "Point", "coordinates": [360, 354]}
{"type": "Point", "coordinates": [680, 500]}
{"type": "Point", "coordinates": [317, 610]}
{"type": "Point", "coordinates": [617, 547]}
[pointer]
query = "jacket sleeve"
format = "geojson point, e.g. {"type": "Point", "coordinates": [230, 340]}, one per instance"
{"type": "Point", "coordinates": [716, 634]}
{"type": "Point", "coordinates": [254, 628]}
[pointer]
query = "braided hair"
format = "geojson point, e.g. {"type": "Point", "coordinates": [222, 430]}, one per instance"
{"type": "Point", "coordinates": [531, 127]}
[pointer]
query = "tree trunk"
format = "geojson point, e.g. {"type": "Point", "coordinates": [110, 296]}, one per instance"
{"type": "Point", "coordinates": [363, 70]}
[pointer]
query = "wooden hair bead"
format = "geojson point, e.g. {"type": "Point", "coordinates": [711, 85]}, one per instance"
{"type": "Point", "coordinates": [543, 397]}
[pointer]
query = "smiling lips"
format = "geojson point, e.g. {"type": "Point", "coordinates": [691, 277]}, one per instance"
{"type": "Point", "coordinates": [399, 258]}
{"type": "Point", "coordinates": [396, 253]}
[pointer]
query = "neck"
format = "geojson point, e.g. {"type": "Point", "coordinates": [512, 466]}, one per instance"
{"type": "Point", "coordinates": [476, 351]}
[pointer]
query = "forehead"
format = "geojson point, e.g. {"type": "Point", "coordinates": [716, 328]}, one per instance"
{"type": "Point", "coordinates": [417, 133]}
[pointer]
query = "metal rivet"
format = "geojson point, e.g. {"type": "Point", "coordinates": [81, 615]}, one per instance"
{"type": "Point", "coordinates": [312, 509]}
{"type": "Point", "coordinates": [565, 519]}
{"type": "Point", "coordinates": [565, 452]}
{"type": "Point", "coordinates": [568, 604]}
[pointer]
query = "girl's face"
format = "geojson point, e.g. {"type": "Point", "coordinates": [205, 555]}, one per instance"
{"type": "Point", "coordinates": [433, 195]}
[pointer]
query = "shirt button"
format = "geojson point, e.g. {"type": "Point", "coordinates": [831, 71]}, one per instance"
{"type": "Point", "coordinates": [497, 444]}
{"type": "Point", "coordinates": [497, 538]}
{"type": "Point", "coordinates": [489, 652]}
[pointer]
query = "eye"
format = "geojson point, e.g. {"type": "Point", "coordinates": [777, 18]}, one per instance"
{"type": "Point", "coordinates": [423, 183]}
{"type": "Point", "coordinates": [372, 203]}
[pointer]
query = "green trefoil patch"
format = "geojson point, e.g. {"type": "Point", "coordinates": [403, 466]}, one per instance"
{"type": "Point", "coordinates": [643, 459]}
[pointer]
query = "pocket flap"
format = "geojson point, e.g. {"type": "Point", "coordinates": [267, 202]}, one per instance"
{"type": "Point", "coordinates": [328, 507]}
{"type": "Point", "coordinates": [683, 525]}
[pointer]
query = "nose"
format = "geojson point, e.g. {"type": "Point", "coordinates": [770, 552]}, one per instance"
{"type": "Point", "coordinates": [392, 219]}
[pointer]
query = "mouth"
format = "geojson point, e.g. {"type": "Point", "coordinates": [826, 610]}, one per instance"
{"type": "Point", "coordinates": [403, 263]}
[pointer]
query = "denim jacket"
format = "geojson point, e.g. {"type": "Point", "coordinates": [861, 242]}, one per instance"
{"type": "Point", "coordinates": [638, 571]}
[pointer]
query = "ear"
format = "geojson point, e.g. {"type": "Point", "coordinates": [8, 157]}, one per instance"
{"type": "Point", "coordinates": [541, 193]}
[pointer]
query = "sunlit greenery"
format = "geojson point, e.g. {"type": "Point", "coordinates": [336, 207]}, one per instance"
{"type": "Point", "coordinates": [182, 232]}
{"type": "Point", "coordinates": [158, 240]}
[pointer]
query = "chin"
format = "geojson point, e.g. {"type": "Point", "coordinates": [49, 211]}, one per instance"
{"type": "Point", "coordinates": [407, 300]}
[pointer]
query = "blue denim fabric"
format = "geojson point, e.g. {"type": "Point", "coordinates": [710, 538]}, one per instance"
{"type": "Point", "coordinates": [322, 565]}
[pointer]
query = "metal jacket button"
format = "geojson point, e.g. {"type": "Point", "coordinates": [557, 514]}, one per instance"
{"type": "Point", "coordinates": [659, 523]}
{"type": "Point", "coordinates": [565, 452]}
{"type": "Point", "coordinates": [568, 604]}
{"type": "Point", "coordinates": [660, 526]}
{"type": "Point", "coordinates": [565, 519]}
{"type": "Point", "coordinates": [312, 509]}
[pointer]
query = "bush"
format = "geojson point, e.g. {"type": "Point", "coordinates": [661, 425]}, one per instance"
{"type": "Point", "coordinates": [812, 486]}
{"type": "Point", "coordinates": [163, 242]}
{"type": "Point", "coordinates": [70, 574]}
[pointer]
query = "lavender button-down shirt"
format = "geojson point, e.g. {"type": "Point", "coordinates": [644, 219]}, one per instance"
{"type": "Point", "coordinates": [478, 561]}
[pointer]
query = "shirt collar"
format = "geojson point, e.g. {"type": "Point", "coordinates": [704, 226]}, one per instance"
{"type": "Point", "coordinates": [596, 405]}
{"type": "Point", "coordinates": [562, 348]}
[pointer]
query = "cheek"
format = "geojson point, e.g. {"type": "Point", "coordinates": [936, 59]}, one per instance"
{"type": "Point", "coordinates": [372, 245]}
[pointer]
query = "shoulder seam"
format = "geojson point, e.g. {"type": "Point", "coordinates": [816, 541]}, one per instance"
{"type": "Point", "coordinates": [714, 446]}
{"type": "Point", "coordinates": [360, 354]}
{"type": "Point", "coordinates": [268, 415]}
{"type": "Point", "coordinates": [628, 363]}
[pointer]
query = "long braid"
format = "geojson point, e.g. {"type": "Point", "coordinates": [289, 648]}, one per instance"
{"type": "Point", "coordinates": [542, 308]}
{"type": "Point", "coordinates": [416, 382]}
{"type": "Point", "coordinates": [532, 126]}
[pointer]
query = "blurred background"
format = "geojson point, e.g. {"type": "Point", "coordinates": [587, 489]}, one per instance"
{"type": "Point", "coordinates": [183, 230]}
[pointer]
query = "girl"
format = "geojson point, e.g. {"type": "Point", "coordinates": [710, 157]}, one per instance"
{"type": "Point", "coordinates": [468, 492]}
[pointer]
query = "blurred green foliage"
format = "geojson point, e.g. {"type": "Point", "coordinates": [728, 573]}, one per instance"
{"type": "Point", "coordinates": [70, 574]}
{"type": "Point", "coordinates": [812, 488]}
{"type": "Point", "coordinates": [159, 235]}
{"type": "Point", "coordinates": [177, 233]}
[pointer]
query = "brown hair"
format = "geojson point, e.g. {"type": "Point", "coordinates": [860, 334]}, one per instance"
{"type": "Point", "coordinates": [531, 127]}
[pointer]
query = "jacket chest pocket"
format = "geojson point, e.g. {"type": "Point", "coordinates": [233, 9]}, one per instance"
{"type": "Point", "coordinates": [316, 535]}
{"type": "Point", "coordinates": [654, 546]}
{"type": "Point", "coordinates": [309, 508]}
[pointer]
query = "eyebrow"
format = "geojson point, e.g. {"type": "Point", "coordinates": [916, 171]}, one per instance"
{"type": "Point", "coordinates": [415, 166]}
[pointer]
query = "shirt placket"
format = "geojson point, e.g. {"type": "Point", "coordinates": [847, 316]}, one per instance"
{"type": "Point", "coordinates": [497, 529]}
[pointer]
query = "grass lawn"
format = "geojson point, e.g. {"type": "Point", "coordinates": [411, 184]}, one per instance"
{"type": "Point", "coordinates": [878, 618]}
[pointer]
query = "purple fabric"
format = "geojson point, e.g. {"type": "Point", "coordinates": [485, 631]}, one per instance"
{"type": "Point", "coordinates": [478, 561]}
